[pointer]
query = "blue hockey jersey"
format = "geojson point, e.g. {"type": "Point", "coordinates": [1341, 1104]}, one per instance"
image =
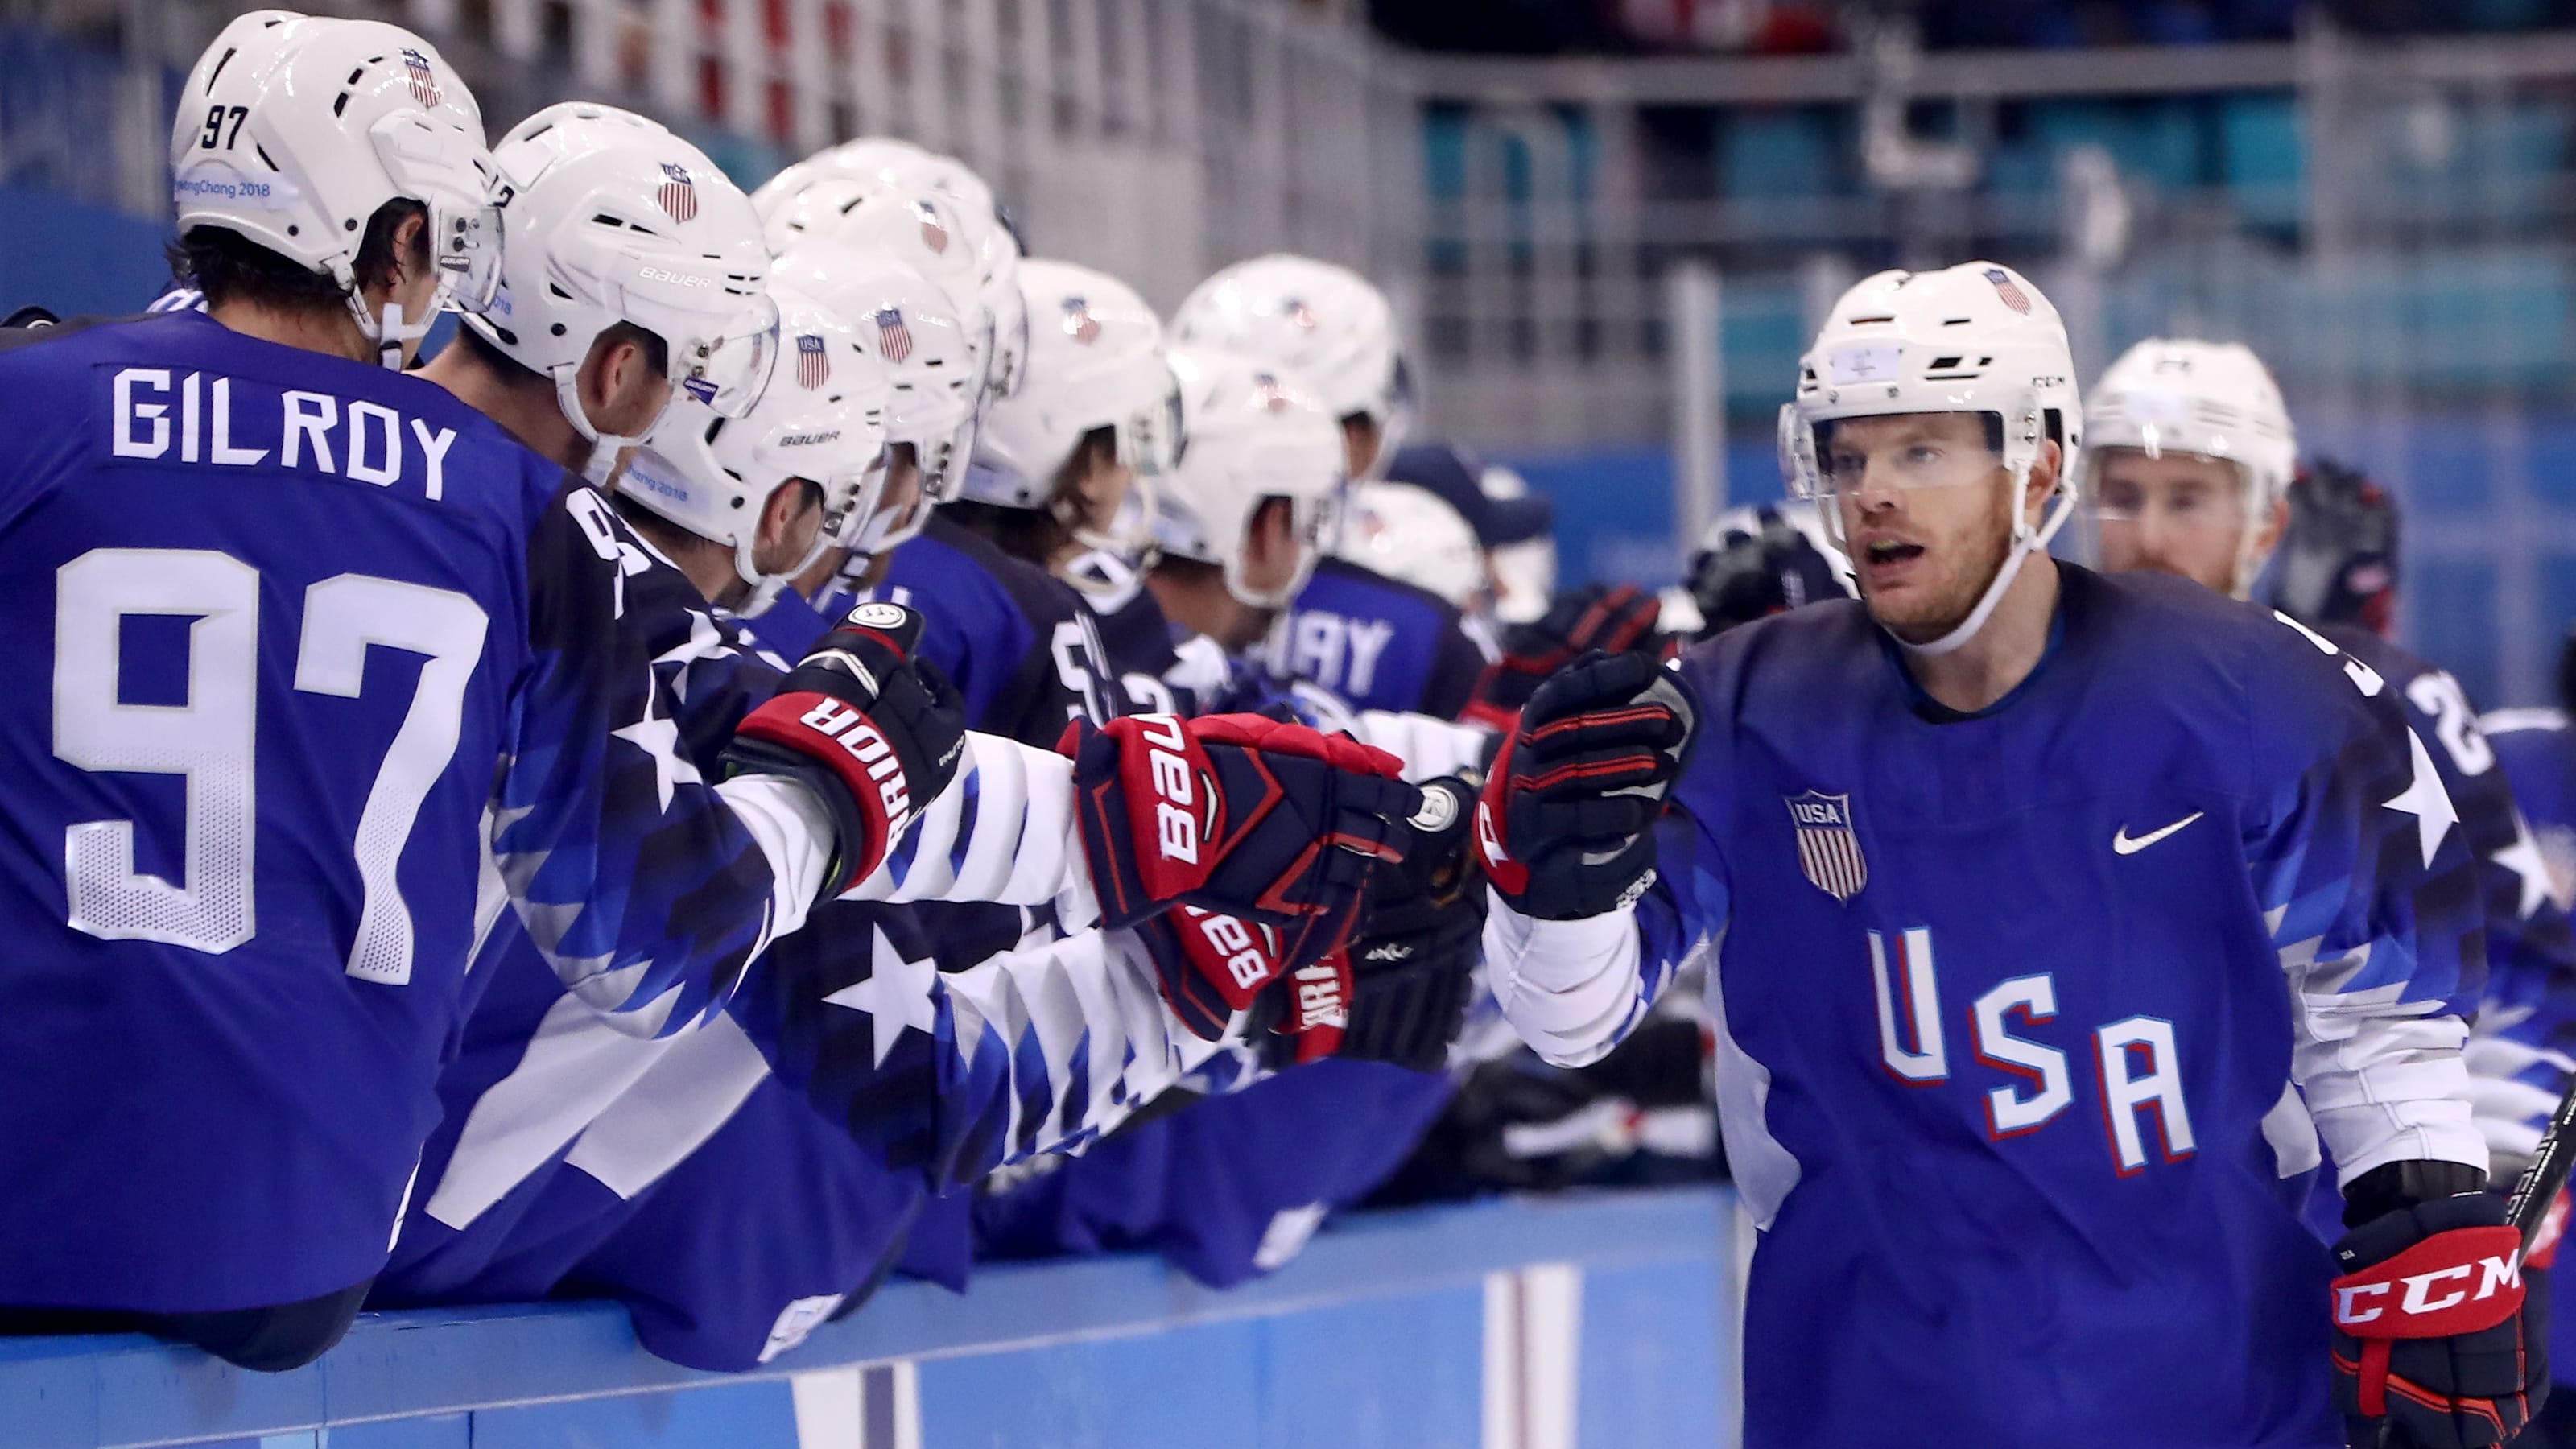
{"type": "Point", "coordinates": [292, 611]}
{"type": "Point", "coordinates": [2011, 1007]}
{"type": "Point", "coordinates": [1376, 642]}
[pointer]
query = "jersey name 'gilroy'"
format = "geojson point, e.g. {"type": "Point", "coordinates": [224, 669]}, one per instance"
{"type": "Point", "coordinates": [163, 415]}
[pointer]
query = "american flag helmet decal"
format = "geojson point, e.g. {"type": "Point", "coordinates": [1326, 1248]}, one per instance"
{"type": "Point", "coordinates": [1828, 848]}
{"type": "Point", "coordinates": [424, 82]}
{"type": "Point", "coordinates": [1079, 324]}
{"type": "Point", "coordinates": [894, 338]}
{"type": "Point", "coordinates": [813, 364]}
{"type": "Point", "coordinates": [2006, 288]}
{"type": "Point", "coordinates": [934, 234]}
{"type": "Point", "coordinates": [677, 194]}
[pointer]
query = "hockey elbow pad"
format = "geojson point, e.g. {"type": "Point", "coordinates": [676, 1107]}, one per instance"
{"type": "Point", "coordinates": [1565, 827]}
{"type": "Point", "coordinates": [873, 731]}
{"type": "Point", "coordinates": [1275, 823]}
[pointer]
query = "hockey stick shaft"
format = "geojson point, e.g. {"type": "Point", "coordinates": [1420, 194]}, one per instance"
{"type": "Point", "coordinates": [2539, 1184]}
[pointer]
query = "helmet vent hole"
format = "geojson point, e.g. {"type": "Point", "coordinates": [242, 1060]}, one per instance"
{"type": "Point", "coordinates": [558, 290]}
{"type": "Point", "coordinates": [541, 130]}
{"type": "Point", "coordinates": [1944, 364]}
{"type": "Point", "coordinates": [262, 153]}
{"type": "Point", "coordinates": [356, 75]}
{"type": "Point", "coordinates": [341, 104]}
{"type": "Point", "coordinates": [219, 68]}
{"type": "Point", "coordinates": [508, 337]}
{"type": "Point", "coordinates": [557, 329]}
{"type": "Point", "coordinates": [1956, 321]}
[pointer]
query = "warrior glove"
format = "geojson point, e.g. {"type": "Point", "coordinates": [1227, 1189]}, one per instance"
{"type": "Point", "coordinates": [873, 731]}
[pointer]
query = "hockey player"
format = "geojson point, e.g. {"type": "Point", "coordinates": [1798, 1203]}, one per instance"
{"type": "Point", "coordinates": [1372, 641]}
{"type": "Point", "coordinates": [332, 186]}
{"type": "Point", "coordinates": [580, 1160]}
{"type": "Point", "coordinates": [1999, 816]}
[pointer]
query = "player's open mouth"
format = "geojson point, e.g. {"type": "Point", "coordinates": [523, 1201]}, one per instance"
{"type": "Point", "coordinates": [1891, 551]}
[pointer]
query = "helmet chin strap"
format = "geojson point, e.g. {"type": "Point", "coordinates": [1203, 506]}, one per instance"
{"type": "Point", "coordinates": [388, 331]}
{"type": "Point", "coordinates": [604, 447]}
{"type": "Point", "coordinates": [2026, 541]}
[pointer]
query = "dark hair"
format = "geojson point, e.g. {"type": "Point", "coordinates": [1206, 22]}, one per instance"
{"type": "Point", "coordinates": [1037, 534]}
{"type": "Point", "coordinates": [657, 353]}
{"type": "Point", "coordinates": [227, 266]}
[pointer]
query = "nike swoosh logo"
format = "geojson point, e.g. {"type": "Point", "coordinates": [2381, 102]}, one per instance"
{"type": "Point", "coordinates": [2121, 842]}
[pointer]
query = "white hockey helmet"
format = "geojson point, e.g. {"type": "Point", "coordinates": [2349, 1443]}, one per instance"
{"type": "Point", "coordinates": [1974, 338]}
{"type": "Point", "coordinates": [2209, 399]}
{"type": "Point", "coordinates": [1325, 323]}
{"type": "Point", "coordinates": [1096, 360]}
{"type": "Point", "coordinates": [879, 191]}
{"type": "Point", "coordinates": [1412, 535]}
{"type": "Point", "coordinates": [614, 219]}
{"type": "Point", "coordinates": [866, 159]}
{"type": "Point", "coordinates": [822, 418]}
{"type": "Point", "coordinates": [293, 130]}
{"type": "Point", "coordinates": [920, 341]}
{"type": "Point", "coordinates": [1254, 433]}
{"type": "Point", "coordinates": [1524, 573]}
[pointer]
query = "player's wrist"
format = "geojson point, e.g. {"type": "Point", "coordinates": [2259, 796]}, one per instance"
{"type": "Point", "coordinates": [2393, 1186]}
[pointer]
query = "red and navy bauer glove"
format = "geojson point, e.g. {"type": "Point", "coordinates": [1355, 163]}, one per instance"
{"type": "Point", "coordinates": [2434, 1347]}
{"type": "Point", "coordinates": [870, 729]}
{"type": "Point", "coordinates": [1267, 823]}
{"type": "Point", "coordinates": [1398, 992]}
{"type": "Point", "coordinates": [1566, 826]}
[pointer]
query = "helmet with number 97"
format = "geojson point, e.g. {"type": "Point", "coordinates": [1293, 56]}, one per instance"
{"type": "Point", "coordinates": [1096, 360]}
{"type": "Point", "coordinates": [1974, 338]}
{"type": "Point", "coordinates": [1327, 324]}
{"type": "Point", "coordinates": [1254, 432]}
{"type": "Point", "coordinates": [922, 344]}
{"type": "Point", "coordinates": [614, 219]}
{"type": "Point", "coordinates": [821, 419]}
{"type": "Point", "coordinates": [2211, 400]}
{"type": "Point", "coordinates": [293, 130]}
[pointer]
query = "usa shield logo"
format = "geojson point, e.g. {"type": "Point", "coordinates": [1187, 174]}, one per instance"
{"type": "Point", "coordinates": [424, 82]}
{"type": "Point", "coordinates": [1079, 324]}
{"type": "Point", "coordinates": [1828, 848]}
{"type": "Point", "coordinates": [894, 336]}
{"type": "Point", "coordinates": [934, 235]}
{"type": "Point", "coordinates": [1299, 315]}
{"type": "Point", "coordinates": [813, 364]}
{"type": "Point", "coordinates": [2014, 297]}
{"type": "Point", "coordinates": [677, 193]}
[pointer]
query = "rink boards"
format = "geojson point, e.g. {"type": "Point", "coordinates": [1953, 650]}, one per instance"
{"type": "Point", "coordinates": [1546, 1324]}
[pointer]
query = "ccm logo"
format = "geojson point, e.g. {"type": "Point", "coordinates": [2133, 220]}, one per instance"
{"type": "Point", "coordinates": [1232, 941]}
{"type": "Point", "coordinates": [1176, 821]}
{"type": "Point", "coordinates": [850, 729]}
{"type": "Point", "coordinates": [1319, 997]}
{"type": "Point", "coordinates": [2493, 1274]}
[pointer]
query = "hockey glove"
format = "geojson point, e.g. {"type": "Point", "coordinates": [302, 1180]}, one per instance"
{"type": "Point", "coordinates": [1566, 825]}
{"type": "Point", "coordinates": [1275, 823]}
{"type": "Point", "coordinates": [1210, 965]}
{"type": "Point", "coordinates": [1612, 620]}
{"type": "Point", "coordinates": [1750, 576]}
{"type": "Point", "coordinates": [871, 730]}
{"type": "Point", "coordinates": [2432, 1349]}
{"type": "Point", "coordinates": [1411, 964]}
